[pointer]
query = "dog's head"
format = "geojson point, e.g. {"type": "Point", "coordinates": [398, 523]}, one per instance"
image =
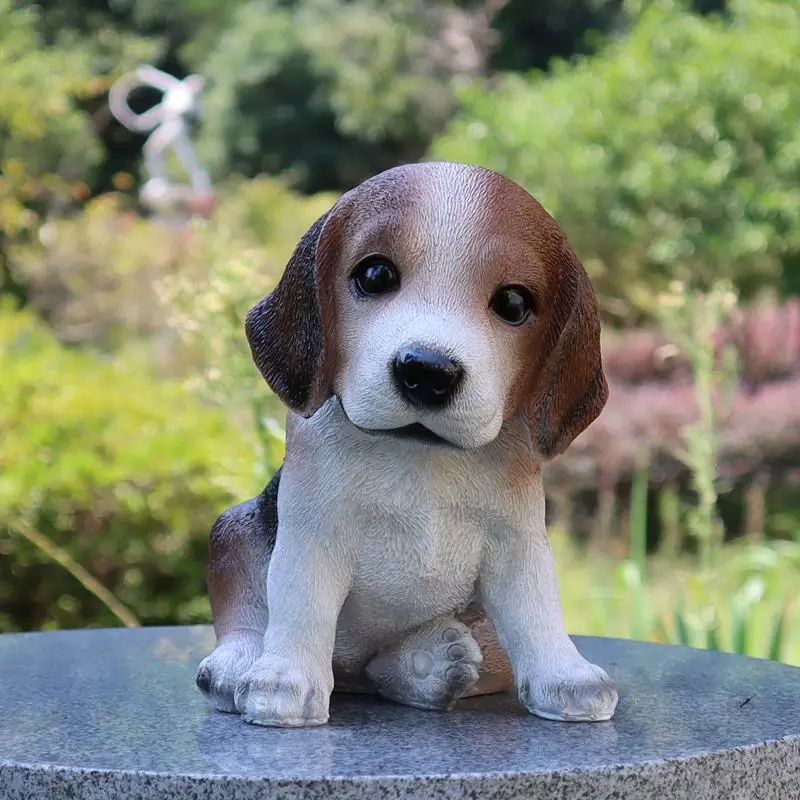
{"type": "Point", "coordinates": [437, 298]}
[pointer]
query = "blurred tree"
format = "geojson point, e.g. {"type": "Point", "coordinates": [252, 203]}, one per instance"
{"type": "Point", "coordinates": [330, 91]}
{"type": "Point", "coordinates": [530, 35]}
{"type": "Point", "coordinates": [128, 478]}
{"type": "Point", "coordinates": [324, 91]}
{"type": "Point", "coordinates": [534, 33]}
{"type": "Point", "coordinates": [113, 38]}
{"type": "Point", "coordinates": [46, 149]}
{"type": "Point", "coordinates": [327, 91]}
{"type": "Point", "coordinates": [673, 153]}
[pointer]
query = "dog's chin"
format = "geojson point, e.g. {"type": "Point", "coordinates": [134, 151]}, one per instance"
{"type": "Point", "coordinates": [415, 432]}
{"type": "Point", "coordinates": [420, 433]}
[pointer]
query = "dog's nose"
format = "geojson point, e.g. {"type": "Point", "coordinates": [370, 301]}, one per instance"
{"type": "Point", "coordinates": [426, 378]}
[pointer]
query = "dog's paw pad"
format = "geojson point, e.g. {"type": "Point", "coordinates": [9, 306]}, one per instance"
{"type": "Point", "coordinates": [432, 668]}
{"type": "Point", "coordinates": [423, 663]}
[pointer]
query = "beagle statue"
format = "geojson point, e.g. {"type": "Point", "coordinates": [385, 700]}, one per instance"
{"type": "Point", "coordinates": [436, 340]}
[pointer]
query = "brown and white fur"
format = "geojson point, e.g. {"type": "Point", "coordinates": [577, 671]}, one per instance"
{"type": "Point", "coordinates": [367, 562]}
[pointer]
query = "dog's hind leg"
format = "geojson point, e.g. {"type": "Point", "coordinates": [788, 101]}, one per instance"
{"type": "Point", "coordinates": [439, 663]}
{"type": "Point", "coordinates": [241, 545]}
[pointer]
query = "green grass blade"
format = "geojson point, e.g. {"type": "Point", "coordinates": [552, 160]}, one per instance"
{"type": "Point", "coordinates": [776, 636]}
{"type": "Point", "coordinates": [712, 634]}
{"type": "Point", "coordinates": [660, 631]}
{"type": "Point", "coordinates": [739, 626]}
{"type": "Point", "coordinates": [80, 573]}
{"type": "Point", "coordinates": [670, 512]}
{"type": "Point", "coordinates": [638, 519]}
{"type": "Point", "coordinates": [681, 628]}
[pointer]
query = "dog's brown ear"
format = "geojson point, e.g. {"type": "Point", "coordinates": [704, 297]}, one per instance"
{"type": "Point", "coordinates": [570, 388]}
{"type": "Point", "coordinates": [290, 331]}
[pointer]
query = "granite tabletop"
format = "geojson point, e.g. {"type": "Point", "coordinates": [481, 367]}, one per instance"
{"type": "Point", "coordinates": [99, 714]}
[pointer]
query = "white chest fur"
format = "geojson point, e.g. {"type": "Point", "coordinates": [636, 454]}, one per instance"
{"type": "Point", "coordinates": [422, 536]}
{"type": "Point", "coordinates": [417, 517]}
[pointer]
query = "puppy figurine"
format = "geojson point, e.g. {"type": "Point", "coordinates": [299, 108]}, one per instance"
{"type": "Point", "coordinates": [436, 340]}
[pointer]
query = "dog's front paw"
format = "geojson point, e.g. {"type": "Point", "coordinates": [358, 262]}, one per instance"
{"type": "Point", "coordinates": [219, 673]}
{"type": "Point", "coordinates": [572, 691]}
{"type": "Point", "coordinates": [276, 692]}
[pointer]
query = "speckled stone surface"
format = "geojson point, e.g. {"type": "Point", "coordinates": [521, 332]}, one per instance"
{"type": "Point", "coordinates": [94, 715]}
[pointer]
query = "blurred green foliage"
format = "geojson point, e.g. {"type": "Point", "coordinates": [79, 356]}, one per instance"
{"type": "Point", "coordinates": [43, 138]}
{"type": "Point", "coordinates": [122, 468]}
{"type": "Point", "coordinates": [131, 415]}
{"type": "Point", "coordinates": [748, 604]}
{"type": "Point", "coordinates": [673, 153]}
{"type": "Point", "coordinates": [96, 276]}
{"type": "Point", "coordinates": [134, 416]}
{"type": "Point", "coordinates": [326, 92]}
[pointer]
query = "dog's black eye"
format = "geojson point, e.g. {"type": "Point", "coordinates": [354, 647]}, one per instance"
{"type": "Point", "coordinates": [375, 277]}
{"type": "Point", "coordinates": [513, 304]}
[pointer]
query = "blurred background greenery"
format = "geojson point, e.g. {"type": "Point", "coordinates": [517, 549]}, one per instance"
{"type": "Point", "coordinates": [664, 136]}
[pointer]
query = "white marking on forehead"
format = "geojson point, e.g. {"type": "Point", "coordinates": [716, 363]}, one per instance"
{"type": "Point", "coordinates": [453, 207]}
{"type": "Point", "coordinates": [448, 228]}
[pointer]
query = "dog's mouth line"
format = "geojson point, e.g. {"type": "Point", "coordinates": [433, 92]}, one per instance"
{"type": "Point", "coordinates": [416, 432]}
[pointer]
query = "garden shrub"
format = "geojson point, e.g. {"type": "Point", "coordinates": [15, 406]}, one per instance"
{"type": "Point", "coordinates": [673, 153]}
{"type": "Point", "coordinates": [96, 276]}
{"type": "Point", "coordinates": [125, 471]}
{"type": "Point", "coordinates": [653, 406]}
{"type": "Point", "coordinates": [134, 415]}
{"type": "Point", "coordinates": [40, 129]}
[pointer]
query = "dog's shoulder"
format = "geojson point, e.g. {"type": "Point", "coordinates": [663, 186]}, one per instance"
{"type": "Point", "coordinates": [267, 504]}
{"type": "Point", "coordinates": [257, 517]}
